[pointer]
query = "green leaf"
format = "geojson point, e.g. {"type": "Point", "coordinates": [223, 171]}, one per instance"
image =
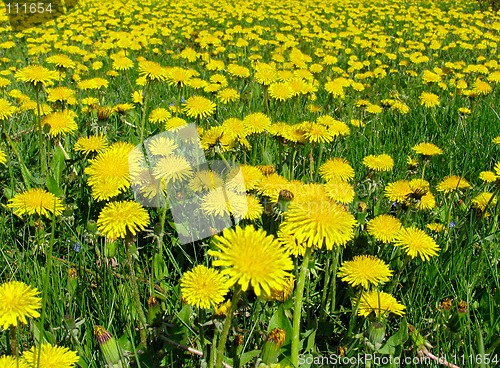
{"type": "Point", "coordinates": [280, 320]}
{"type": "Point", "coordinates": [396, 340]}
{"type": "Point", "coordinates": [310, 337]}
{"type": "Point", "coordinates": [53, 186]}
{"type": "Point", "coordinates": [248, 356]}
{"type": "Point", "coordinates": [57, 164]}
{"type": "Point", "coordinates": [268, 157]}
{"type": "Point", "coordinates": [160, 267]}
{"type": "Point", "coordinates": [40, 335]}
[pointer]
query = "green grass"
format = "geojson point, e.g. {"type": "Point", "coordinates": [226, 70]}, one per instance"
{"type": "Point", "coordinates": [102, 293]}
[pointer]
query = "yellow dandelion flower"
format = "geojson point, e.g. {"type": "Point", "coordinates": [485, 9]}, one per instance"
{"type": "Point", "coordinates": [175, 123]}
{"type": "Point", "coordinates": [91, 144]}
{"type": "Point", "coordinates": [37, 74]}
{"type": "Point", "coordinates": [179, 76]}
{"type": "Point", "coordinates": [481, 87]}
{"type": "Point", "coordinates": [109, 172]}
{"type": "Point", "coordinates": [221, 202]}
{"type": "Point", "coordinates": [122, 63]}
{"type": "Point", "coordinates": [118, 218]}
{"type": "Point", "coordinates": [94, 83]}
{"type": "Point", "coordinates": [280, 91]}
{"type": "Point", "coordinates": [257, 122]}
{"type": "Point", "coordinates": [203, 287]}
{"type": "Point", "coordinates": [159, 115]}
{"type": "Point", "coordinates": [7, 361]}
{"type": "Point", "coordinates": [428, 99]}
{"type": "Point", "coordinates": [205, 180]}
{"type": "Point", "coordinates": [271, 185]}
{"type": "Point", "coordinates": [61, 61]}
{"type": "Point", "coordinates": [427, 149]}
{"type": "Point", "coordinates": [62, 94]}
{"type": "Point", "coordinates": [123, 108]}
{"type": "Point", "coordinates": [488, 176]}
{"type": "Point", "coordinates": [254, 209]}
{"type": "Point", "coordinates": [18, 301]}
{"type": "Point", "coordinates": [380, 303]}
{"type": "Point", "coordinates": [249, 179]}
{"type": "Point", "coordinates": [36, 200]}
{"type": "Point", "coordinates": [3, 157]}
{"type": "Point", "coordinates": [319, 223]}
{"type": "Point", "coordinates": [250, 257]}
{"type": "Point", "coordinates": [384, 228]}
{"type": "Point", "coordinates": [172, 168]}
{"type": "Point", "coordinates": [426, 202]}
{"type": "Point", "coordinates": [6, 109]}
{"type": "Point", "coordinates": [416, 243]}
{"type": "Point", "coordinates": [365, 270]}
{"type": "Point", "coordinates": [152, 70]}
{"type": "Point", "coordinates": [161, 146]}
{"type": "Point", "coordinates": [336, 168]}
{"type": "Point", "coordinates": [228, 95]}
{"type": "Point", "coordinates": [199, 107]}
{"type": "Point", "coordinates": [484, 199]}
{"type": "Point", "coordinates": [451, 183]}
{"type": "Point", "coordinates": [374, 109]}
{"type": "Point", "coordinates": [340, 191]}
{"type": "Point", "coordinates": [398, 191]}
{"type": "Point", "coordinates": [436, 227]}
{"type": "Point", "coordinates": [50, 356]}
{"type": "Point", "coordinates": [382, 162]}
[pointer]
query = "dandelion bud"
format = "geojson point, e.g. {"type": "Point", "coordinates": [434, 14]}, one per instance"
{"type": "Point", "coordinates": [375, 335]}
{"type": "Point", "coordinates": [103, 113]}
{"type": "Point", "coordinates": [272, 346]}
{"type": "Point", "coordinates": [109, 347]}
{"type": "Point", "coordinates": [221, 309]}
{"type": "Point", "coordinates": [282, 294]}
{"type": "Point", "coordinates": [462, 307]}
{"type": "Point", "coordinates": [419, 341]}
{"type": "Point", "coordinates": [72, 281]}
{"type": "Point", "coordinates": [446, 304]}
{"type": "Point", "coordinates": [238, 340]}
{"type": "Point", "coordinates": [153, 310]}
{"type": "Point", "coordinates": [284, 199]}
{"type": "Point", "coordinates": [110, 249]}
{"type": "Point", "coordinates": [46, 128]}
{"type": "Point", "coordinates": [92, 227]}
{"type": "Point", "coordinates": [458, 319]}
{"type": "Point", "coordinates": [267, 169]}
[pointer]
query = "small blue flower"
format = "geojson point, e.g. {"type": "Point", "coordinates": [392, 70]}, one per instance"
{"type": "Point", "coordinates": [77, 247]}
{"type": "Point", "coordinates": [452, 224]}
{"type": "Point", "coordinates": [183, 100]}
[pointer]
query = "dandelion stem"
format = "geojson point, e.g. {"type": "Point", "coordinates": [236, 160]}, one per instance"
{"type": "Point", "coordinates": [320, 157]}
{"type": "Point", "coordinates": [221, 347]}
{"type": "Point", "coordinates": [13, 341]}
{"type": "Point", "coordinates": [297, 307]}
{"type": "Point", "coordinates": [24, 170]}
{"type": "Point", "coordinates": [324, 304]}
{"type": "Point", "coordinates": [46, 278]}
{"type": "Point", "coordinates": [143, 115]}
{"type": "Point", "coordinates": [396, 279]}
{"type": "Point", "coordinates": [211, 363]}
{"type": "Point", "coordinates": [41, 143]}
{"type": "Point", "coordinates": [137, 300]}
{"type": "Point", "coordinates": [333, 287]}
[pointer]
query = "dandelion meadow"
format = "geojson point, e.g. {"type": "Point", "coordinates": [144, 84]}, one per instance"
{"type": "Point", "coordinates": [249, 184]}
